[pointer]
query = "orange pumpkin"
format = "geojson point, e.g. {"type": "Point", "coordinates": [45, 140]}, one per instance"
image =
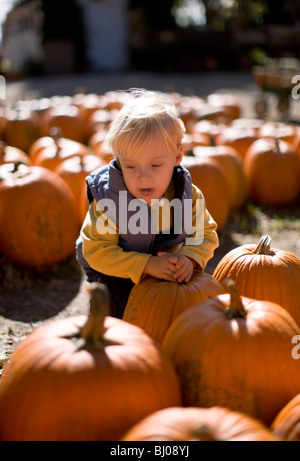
{"type": "Point", "coordinates": [272, 170]}
{"type": "Point", "coordinates": [50, 151]}
{"type": "Point", "coordinates": [22, 128]}
{"type": "Point", "coordinates": [227, 102]}
{"type": "Point", "coordinates": [265, 273]}
{"type": "Point", "coordinates": [154, 304]}
{"type": "Point", "coordinates": [234, 351]}
{"type": "Point", "coordinates": [10, 154]}
{"type": "Point", "coordinates": [68, 118]}
{"type": "Point", "coordinates": [239, 139]}
{"type": "Point", "coordinates": [215, 424]}
{"type": "Point", "coordinates": [84, 378]}
{"type": "Point", "coordinates": [232, 168]}
{"type": "Point", "coordinates": [39, 224]}
{"type": "Point", "coordinates": [279, 130]}
{"type": "Point", "coordinates": [286, 424]}
{"type": "Point", "coordinates": [208, 176]}
{"type": "Point", "coordinates": [74, 171]}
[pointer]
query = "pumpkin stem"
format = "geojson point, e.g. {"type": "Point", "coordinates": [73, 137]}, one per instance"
{"type": "Point", "coordinates": [93, 330]}
{"type": "Point", "coordinates": [277, 144]}
{"type": "Point", "coordinates": [56, 133]}
{"type": "Point", "coordinates": [235, 308]}
{"type": "Point", "coordinates": [2, 148]}
{"type": "Point", "coordinates": [203, 433]}
{"type": "Point", "coordinates": [263, 247]}
{"type": "Point", "coordinates": [212, 141]}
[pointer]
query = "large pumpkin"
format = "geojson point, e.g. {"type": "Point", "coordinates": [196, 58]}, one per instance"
{"type": "Point", "coordinates": [287, 423]}
{"type": "Point", "coordinates": [154, 304]}
{"type": "Point", "coordinates": [84, 378]}
{"type": "Point", "coordinates": [235, 352]}
{"type": "Point", "coordinates": [215, 424]}
{"type": "Point", "coordinates": [265, 273]}
{"type": "Point", "coordinates": [39, 224]}
{"type": "Point", "coordinates": [272, 170]}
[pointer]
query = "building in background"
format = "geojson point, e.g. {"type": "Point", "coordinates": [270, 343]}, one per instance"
{"type": "Point", "coordinates": [30, 45]}
{"type": "Point", "coordinates": [21, 38]}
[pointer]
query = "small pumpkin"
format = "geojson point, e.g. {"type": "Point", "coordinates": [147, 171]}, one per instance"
{"type": "Point", "coordinates": [263, 272]}
{"type": "Point", "coordinates": [232, 168]}
{"type": "Point", "coordinates": [238, 138]}
{"type": "Point", "coordinates": [22, 128]}
{"type": "Point", "coordinates": [39, 224]}
{"type": "Point", "coordinates": [74, 171]}
{"type": "Point", "coordinates": [50, 151]}
{"type": "Point", "coordinates": [215, 424]}
{"type": "Point", "coordinates": [84, 378]}
{"type": "Point", "coordinates": [228, 102]}
{"type": "Point", "coordinates": [154, 304]}
{"type": "Point", "coordinates": [235, 352]}
{"type": "Point", "coordinates": [10, 154]}
{"type": "Point", "coordinates": [68, 118]}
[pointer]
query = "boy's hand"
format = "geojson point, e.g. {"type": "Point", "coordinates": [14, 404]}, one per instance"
{"type": "Point", "coordinates": [184, 269]}
{"type": "Point", "coordinates": [162, 266]}
{"type": "Point", "coordinates": [171, 267]}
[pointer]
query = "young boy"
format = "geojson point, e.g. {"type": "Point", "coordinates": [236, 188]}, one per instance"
{"type": "Point", "coordinates": [145, 216]}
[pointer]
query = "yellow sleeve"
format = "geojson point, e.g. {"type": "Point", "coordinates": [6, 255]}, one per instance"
{"type": "Point", "coordinates": [204, 240]}
{"type": "Point", "coordinates": [102, 250]}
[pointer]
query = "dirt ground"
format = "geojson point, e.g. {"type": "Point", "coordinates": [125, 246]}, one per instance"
{"type": "Point", "coordinates": [29, 298]}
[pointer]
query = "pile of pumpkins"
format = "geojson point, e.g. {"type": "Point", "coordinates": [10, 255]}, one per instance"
{"type": "Point", "coordinates": [213, 359]}
{"type": "Point", "coordinates": [50, 145]}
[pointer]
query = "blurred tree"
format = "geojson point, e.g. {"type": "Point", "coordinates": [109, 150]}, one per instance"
{"type": "Point", "coordinates": [227, 14]}
{"type": "Point", "coordinates": [152, 14]}
{"type": "Point", "coordinates": [63, 19]}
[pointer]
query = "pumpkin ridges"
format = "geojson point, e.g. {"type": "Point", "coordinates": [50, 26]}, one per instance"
{"type": "Point", "coordinates": [272, 170]}
{"type": "Point", "coordinates": [56, 387]}
{"type": "Point", "coordinates": [273, 276]}
{"type": "Point", "coordinates": [287, 422]}
{"type": "Point", "coordinates": [199, 424]}
{"type": "Point", "coordinates": [153, 304]}
{"type": "Point", "coordinates": [238, 363]}
{"type": "Point", "coordinates": [32, 203]}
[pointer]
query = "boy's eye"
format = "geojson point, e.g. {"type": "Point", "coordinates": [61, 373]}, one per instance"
{"type": "Point", "coordinates": [130, 167]}
{"type": "Point", "coordinates": [156, 165]}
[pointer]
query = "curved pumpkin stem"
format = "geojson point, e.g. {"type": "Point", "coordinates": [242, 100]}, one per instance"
{"type": "Point", "coordinates": [93, 330]}
{"type": "Point", "coordinates": [263, 247]}
{"type": "Point", "coordinates": [235, 308]}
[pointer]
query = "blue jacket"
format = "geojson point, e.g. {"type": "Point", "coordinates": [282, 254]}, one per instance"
{"type": "Point", "coordinates": [108, 183]}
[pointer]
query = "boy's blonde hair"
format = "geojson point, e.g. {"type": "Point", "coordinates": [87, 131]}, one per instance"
{"type": "Point", "coordinates": [145, 115]}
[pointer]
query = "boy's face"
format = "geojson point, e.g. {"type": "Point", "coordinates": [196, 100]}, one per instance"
{"type": "Point", "coordinates": [147, 175]}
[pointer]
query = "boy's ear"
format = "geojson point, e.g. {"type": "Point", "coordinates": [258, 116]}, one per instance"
{"type": "Point", "coordinates": [179, 155]}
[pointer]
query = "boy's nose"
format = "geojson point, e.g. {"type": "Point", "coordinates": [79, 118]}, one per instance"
{"type": "Point", "coordinates": [144, 173]}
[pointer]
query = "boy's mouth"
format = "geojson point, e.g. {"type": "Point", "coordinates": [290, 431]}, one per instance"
{"type": "Point", "coordinates": [146, 192]}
